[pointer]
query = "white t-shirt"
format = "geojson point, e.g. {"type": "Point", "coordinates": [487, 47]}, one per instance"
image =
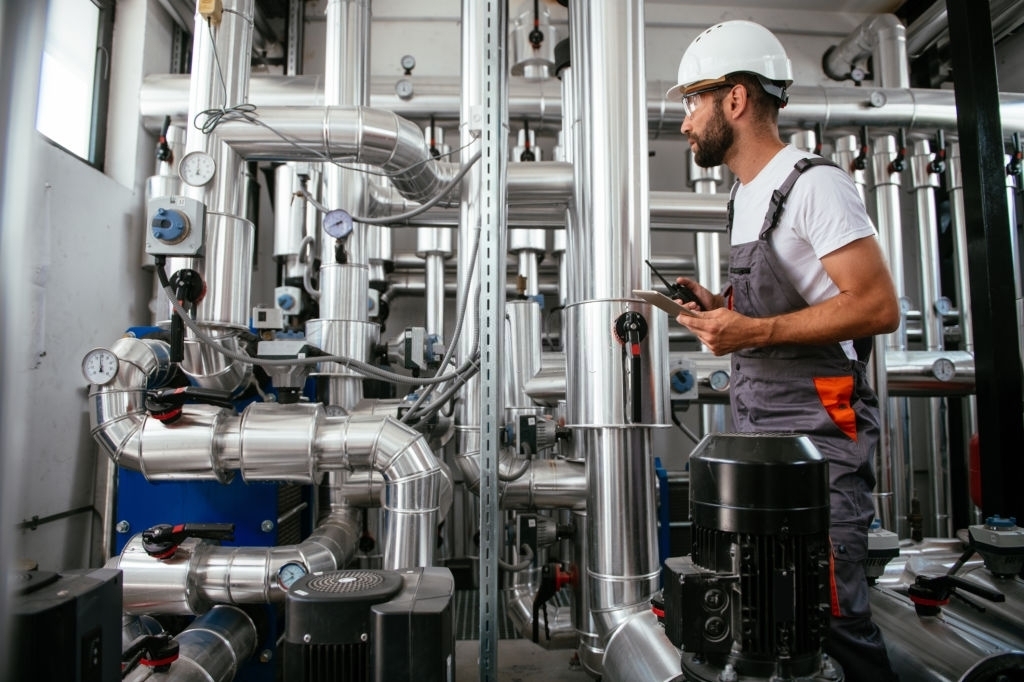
{"type": "Point", "coordinates": [822, 213]}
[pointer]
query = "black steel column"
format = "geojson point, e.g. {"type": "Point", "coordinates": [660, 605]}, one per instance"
{"type": "Point", "coordinates": [990, 259]}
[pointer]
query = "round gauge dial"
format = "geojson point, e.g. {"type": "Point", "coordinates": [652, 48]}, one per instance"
{"type": "Point", "coordinates": [719, 380]}
{"type": "Point", "coordinates": [408, 62]}
{"type": "Point", "coordinates": [99, 366]}
{"type": "Point", "coordinates": [288, 574]}
{"type": "Point", "coordinates": [404, 89]}
{"type": "Point", "coordinates": [197, 168]}
{"type": "Point", "coordinates": [944, 369]}
{"type": "Point", "coordinates": [338, 223]}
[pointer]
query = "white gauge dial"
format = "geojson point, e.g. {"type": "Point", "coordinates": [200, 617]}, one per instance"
{"type": "Point", "coordinates": [943, 369]}
{"type": "Point", "coordinates": [99, 366]}
{"type": "Point", "coordinates": [289, 573]}
{"type": "Point", "coordinates": [404, 88]}
{"type": "Point", "coordinates": [197, 168]}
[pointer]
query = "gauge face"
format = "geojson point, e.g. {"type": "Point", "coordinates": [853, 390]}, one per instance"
{"type": "Point", "coordinates": [403, 88]}
{"type": "Point", "coordinates": [99, 366]}
{"type": "Point", "coordinates": [719, 380]}
{"type": "Point", "coordinates": [197, 168]}
{"type": "Point", "coordinates": [288, 574]}
{"type": "Point", "coordinates": [338, 223]}
{"type": "Point", "coordinates": [943, 369]}
{"type": "Point", "coordinates": [408, 62]}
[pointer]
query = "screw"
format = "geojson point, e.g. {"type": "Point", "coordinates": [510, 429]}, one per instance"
{"type": "Point", "coordinates": [363, 637]}
{"type": "Point", "coordinates": [123, 527]}
{"type": "Point", "coordinates": [267, 526]}
{"type": "Point", "coordinates": [307, 638]}
{"type": "Point", "coordinates": [266, 655]}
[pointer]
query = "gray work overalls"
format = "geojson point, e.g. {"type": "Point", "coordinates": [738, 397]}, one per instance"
{"type": "Point", "coordinates": [820, 392]}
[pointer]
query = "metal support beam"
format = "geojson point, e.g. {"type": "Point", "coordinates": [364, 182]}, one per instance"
{"type": "Point", "coordinates": [990, 258]}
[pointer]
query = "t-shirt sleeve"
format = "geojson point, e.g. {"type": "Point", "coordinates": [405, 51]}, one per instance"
{"type": "Point", "coordinates": [831, 212]}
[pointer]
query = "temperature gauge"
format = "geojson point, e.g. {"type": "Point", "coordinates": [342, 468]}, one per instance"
{"type": "Point", "coordinates": [99, 366]}
{"type": "Point", "coordinates": [943, 369]}
{"type": "Point", "coordinates": [289, 573]}
{"type": "Point", "coordinates": [197, 168]}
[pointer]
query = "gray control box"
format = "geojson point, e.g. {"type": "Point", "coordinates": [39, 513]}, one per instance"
{"type": "Point", "coordinates": [175, 226]}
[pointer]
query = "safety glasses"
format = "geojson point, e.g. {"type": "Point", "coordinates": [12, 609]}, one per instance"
{"type": "Point", "coordinates": [692, 101]}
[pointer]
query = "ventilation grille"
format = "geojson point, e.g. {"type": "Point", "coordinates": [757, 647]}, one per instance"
{"type": "Point", "coordinates": [345, 582]}
{"type": "Point", "coordinates": [337, 662]}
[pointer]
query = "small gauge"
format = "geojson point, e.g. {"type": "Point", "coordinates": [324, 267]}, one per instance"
{"type": "Point", "coordinates": [943, 306]}
{"type": "Point", "coordinates": [289, 573]}
{"type": "Point", "coordinates": [197, 168]}
{"type": "Point", "coordinates": [404, 89]}
{"type": "Point", "coordinates": [408, 62]}
{"type": "Point", "coordinates": [719, 380]}
{"type": "Point", "coordinates": [944, 369]}
{"type": "Point", "coordinates": [338, 223]}
{"type": "Point", "coordinates": [99, 366]}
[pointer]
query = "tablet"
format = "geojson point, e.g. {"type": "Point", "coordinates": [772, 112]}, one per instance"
{"type": "Point", "coordinates": [670, 306]}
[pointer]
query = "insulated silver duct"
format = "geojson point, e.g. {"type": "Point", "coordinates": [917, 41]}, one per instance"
{"type": "Point", "coordinates": [270, 442]}
{"type": "Point", "coordinates": [808, 104]}
{"type": "Point", "coordinates": [881, 37]}
{"type": "Point", "coordinates": [201, 575]}
{"type": "Point", "coordinates": [612, 424]}
{"type": "Point", "coordinates": [639, 650]}
{"type": "Point", "coordinates": [211, 649]}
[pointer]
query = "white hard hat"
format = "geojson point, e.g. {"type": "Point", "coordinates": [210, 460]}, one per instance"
{"type": "Point", "coordinates": [729, 47]}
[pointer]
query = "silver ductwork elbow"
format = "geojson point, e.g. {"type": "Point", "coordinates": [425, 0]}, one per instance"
{"type": "Point", "coordinates": [200, 574]}
{"type": "Point", "coordinates": [882, 36]}
{"type": "Point", "coordinates": [640, 650]}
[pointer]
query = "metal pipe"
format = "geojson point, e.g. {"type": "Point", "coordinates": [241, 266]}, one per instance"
{"type": "Point", "coordinates": [925, 180]}
{"type": "Point", "coordinates": [613, 238]}
{"type": "Point", "coordinates": [640, 650]}
{"type": "Point", "coordinates": [967, 653]}
{"type": "Point", "coordinates": [270, 442]}
{"type": "Point", "coordinates": [831, 106]}
{"type": "Point", "coordinates": [887, 187]}
{"type": "Point", "coordinates": [201, 574]}
{"type": "Point", "coordinates": [924, 30]}
{"type": "Point", "coordinates": [908, 373]}
{"type": "Point", "coordinates": [881, 36]}
{"type": "Point", "coordinates": [211, 649]}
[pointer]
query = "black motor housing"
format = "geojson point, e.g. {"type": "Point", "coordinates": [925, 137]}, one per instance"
{"type": "Point", "coordinates": [753, 594]}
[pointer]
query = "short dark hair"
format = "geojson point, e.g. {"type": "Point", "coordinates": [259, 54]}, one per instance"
{"type": "Point", "coordinates": [762, 102]}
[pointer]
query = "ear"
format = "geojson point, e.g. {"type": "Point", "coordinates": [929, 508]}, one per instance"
{"type": "Point", "coordinates": [736, 102]}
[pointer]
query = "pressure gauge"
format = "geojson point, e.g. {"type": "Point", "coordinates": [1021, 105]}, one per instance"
{"type": "Point", "coordinates": [404, 89]}
{"type": "Point", "coordinates": [289, 573]}
{"type": "Point", "coordinates": [338, 223]}
{"type": "Point", "coordinates": [197, 168]}
{"type": "Point", "coordinates": [944, 369]}
{"type": "Point", "coordinates": [719, 380]}
{"type": "Point", "coordinates": [408, 63]}
{"type": "Point", "coordinates": [99, 366]}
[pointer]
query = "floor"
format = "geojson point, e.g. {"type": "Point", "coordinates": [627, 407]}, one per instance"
{"type": "Point", "coordinates": [519, 660]}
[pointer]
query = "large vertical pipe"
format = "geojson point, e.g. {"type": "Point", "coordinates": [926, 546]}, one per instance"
{"type": "Point", "coordinates": [344, 286]}
{"type": "Point", "coordinates": [612, 240]}
{"type": "Point", "coordinates": [890, 230]}
{"type": "Point", "coordinates": [846, 155]}
{"type": "Point", "coordinates": [709, 273]}
{"type": "Point", "coordinates": [925, 180]}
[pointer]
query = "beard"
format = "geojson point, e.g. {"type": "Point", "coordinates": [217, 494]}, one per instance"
{"type": "Point", "coordinates": [715, 141]}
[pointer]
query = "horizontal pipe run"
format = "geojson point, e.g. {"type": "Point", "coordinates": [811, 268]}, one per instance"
{"type": "Point", "coordinates": [541, 103]}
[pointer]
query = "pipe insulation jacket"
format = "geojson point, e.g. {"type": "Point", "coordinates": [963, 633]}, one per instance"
{"type": "Point", "coordinates": [832, 106]}
{"type": "Point", "coordinates": [270, 442]}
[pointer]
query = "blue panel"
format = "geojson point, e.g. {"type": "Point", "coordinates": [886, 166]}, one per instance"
{"type": "Point", "coordinates": [143, 504]}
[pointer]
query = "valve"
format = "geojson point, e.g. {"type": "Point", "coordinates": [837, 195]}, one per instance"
{"type": "Point", "coordinates": [938, 162]}
{"type": "Point", "coordinates": [154, 651]}
{"type": "Point", "coordinates": [1013, 168]}
{"type": "Point", "coordinates": [163, 150]}
{"type": "Point", "coordinates": [931, 594]}
{"type": "Point", "coordinates": [899, 161]}
{"type": "Point", "coordinates": [861, 161]}
{"type": "Point", "coordinates": [553, 578]}
{"type": "Point", "coordinates": [189, 289]}
{"type": "Point", "coordinates": [536, 35]}
{"type": "Point", "coordinates": [162, 540]}
{"type": "Point", "coordinates": [164, 404]}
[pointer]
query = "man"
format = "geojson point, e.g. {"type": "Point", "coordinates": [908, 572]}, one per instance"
{"type": "Point", "coordinates": [805, 282]}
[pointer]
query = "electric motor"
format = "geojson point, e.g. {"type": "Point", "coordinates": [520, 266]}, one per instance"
{"type": "Point", "coordinates": [752, 597]}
